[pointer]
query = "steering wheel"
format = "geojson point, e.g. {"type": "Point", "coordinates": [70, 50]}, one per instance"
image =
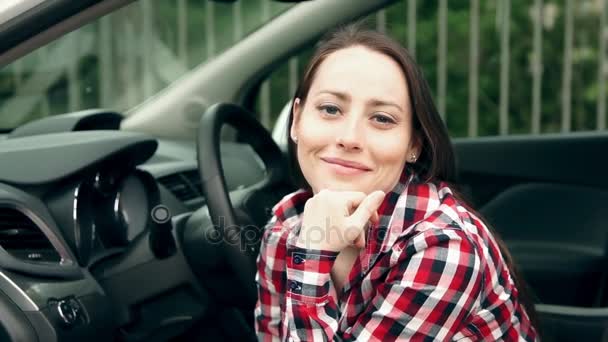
{"type": "Point", "coordinates": [213, 183]}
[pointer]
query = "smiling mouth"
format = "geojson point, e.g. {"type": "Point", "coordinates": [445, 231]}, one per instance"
{"type": "Point", "coordinates": [346, 164]}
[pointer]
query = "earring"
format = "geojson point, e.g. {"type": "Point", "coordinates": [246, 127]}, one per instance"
{"type": "Point", "coordinates": [295, 139]}
{"type": "Point", "coordinates": [413, 157]}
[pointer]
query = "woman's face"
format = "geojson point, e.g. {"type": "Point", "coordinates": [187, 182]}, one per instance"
{"type": "Point", "coordinates": [354, 132]}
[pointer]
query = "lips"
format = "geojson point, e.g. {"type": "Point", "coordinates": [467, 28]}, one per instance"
{"type": "Point", "coordinates": [346, 163]}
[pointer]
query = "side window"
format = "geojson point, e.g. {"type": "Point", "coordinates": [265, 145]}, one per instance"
{"type": "Point", "coordinates": [280, 86]}
{"type": "Point", "coordinates": [494, 67]}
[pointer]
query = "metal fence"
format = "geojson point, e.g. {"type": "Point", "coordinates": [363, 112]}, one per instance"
{"type": "Point", "coordinates": [538, 12]}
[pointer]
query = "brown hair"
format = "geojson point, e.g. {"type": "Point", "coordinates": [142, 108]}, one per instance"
{"type": "Point", "coordinates": [436, 162]}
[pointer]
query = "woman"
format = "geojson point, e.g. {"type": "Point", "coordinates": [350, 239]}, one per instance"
{"type": "Point", "coordinates": [376, 245]}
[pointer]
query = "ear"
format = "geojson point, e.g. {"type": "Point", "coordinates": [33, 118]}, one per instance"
{"type": "Point", "coordinates": [416, 145]}
{"type": "Point", "coordinates": [296, 110]}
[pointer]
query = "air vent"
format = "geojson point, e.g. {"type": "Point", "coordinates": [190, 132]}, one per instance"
{"type": "Point", "coordinates": [23, 239]}
{"type": "Point", "coordinates": [182, 185]}
{"type": "Point", "coordinates": [194, 178]}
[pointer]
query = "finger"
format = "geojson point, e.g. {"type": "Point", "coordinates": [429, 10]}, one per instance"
{"type": "Point", "coordinates": [375, 218]}
{"type": "Point", "coordinates": [352, 200]}
{"type": "Point", "coordinates": [360, 241]}
{"type": "Point", "coordinates": [367, 208]}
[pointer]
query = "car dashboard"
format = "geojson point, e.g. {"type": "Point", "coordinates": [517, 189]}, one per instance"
{"type": "Point", "coordinates": [76, 210]}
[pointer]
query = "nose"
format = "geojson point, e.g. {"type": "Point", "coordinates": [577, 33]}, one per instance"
{"type": "Point", "coordinates": [350, 137]}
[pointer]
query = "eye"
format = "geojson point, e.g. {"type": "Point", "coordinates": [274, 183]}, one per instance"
{"type": "Point", "coordinates": [383, 119]}
{"type": "Point", "coordinates": [329, 109]}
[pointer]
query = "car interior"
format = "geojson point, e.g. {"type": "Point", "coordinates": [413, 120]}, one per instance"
{"type": "Point", "coordinates": [145, 225]}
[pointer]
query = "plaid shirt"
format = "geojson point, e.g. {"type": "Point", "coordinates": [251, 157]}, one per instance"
{"type": "Point", "coordinates": [430, 271]}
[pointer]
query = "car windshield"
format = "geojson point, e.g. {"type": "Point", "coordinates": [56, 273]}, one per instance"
{"type": "Point", "coordinates": [122, 59]}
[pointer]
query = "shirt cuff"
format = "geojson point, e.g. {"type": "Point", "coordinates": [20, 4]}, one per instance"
{"type": "Point", "coordinates": [308, 274]}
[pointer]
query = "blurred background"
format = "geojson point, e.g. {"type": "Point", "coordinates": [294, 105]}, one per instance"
{"type": "Point", "coordinates": [496, 67]}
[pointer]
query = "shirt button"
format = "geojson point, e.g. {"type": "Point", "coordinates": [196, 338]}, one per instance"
{"type": "Point", "coordinates": [294, 286]}
{"type": "Point", "coordinates": [297, 260]}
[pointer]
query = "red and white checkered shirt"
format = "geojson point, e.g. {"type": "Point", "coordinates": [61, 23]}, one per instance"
{"type": "Point", "coordinates": [430, 271]}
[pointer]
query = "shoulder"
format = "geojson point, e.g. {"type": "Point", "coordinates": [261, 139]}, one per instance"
{"type": "Point", "coordinates": [441, 225]}
{"type": "Point", "coordinates": [444, 210]}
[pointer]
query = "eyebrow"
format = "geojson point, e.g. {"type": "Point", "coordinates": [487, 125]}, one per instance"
{"type": "Point", "coordinates": [373, 102]}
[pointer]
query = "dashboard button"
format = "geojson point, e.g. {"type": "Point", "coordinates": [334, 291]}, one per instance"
{"type": "Point", "coordinates": [75, 305]}
{"type": "Point", "coordinates": [68, 310]}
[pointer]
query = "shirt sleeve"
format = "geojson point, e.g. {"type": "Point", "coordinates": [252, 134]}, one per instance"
{"type": "Point", "coordinates": [271, 268]}
{"type": "Point", "coordinates": [430, 289]}
{"type": "Point", "coordinates": [311, 312]}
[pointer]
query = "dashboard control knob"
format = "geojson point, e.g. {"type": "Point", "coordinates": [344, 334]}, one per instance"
{"type": "Point", "coordinates": [69, 311]}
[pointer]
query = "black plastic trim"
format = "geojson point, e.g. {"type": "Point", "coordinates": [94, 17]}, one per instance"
{"type": "Point", "coordinates": [547, 158]}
